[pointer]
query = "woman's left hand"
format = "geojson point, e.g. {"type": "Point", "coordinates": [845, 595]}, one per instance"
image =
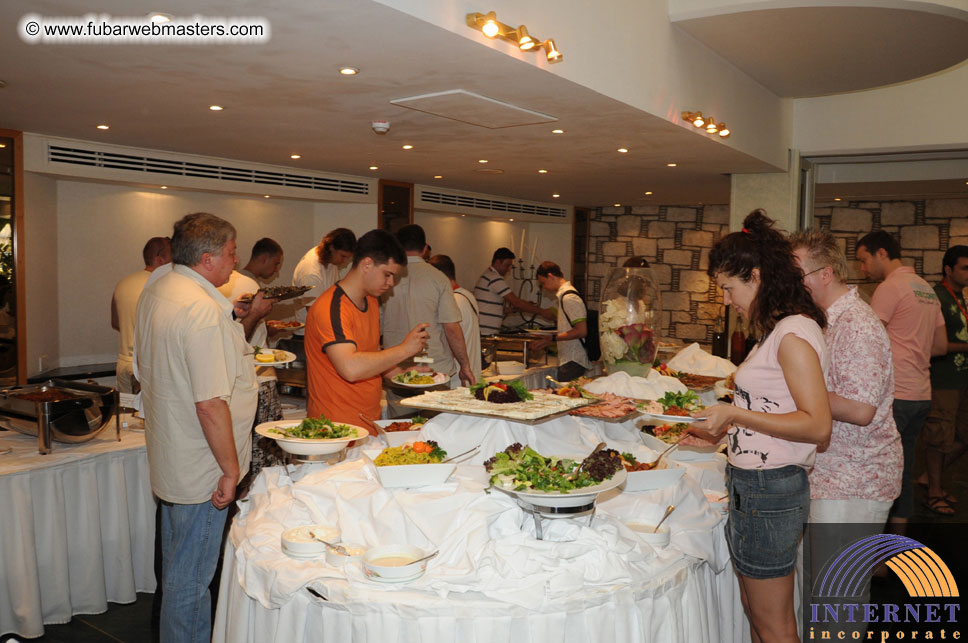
{"type": "Point", "coordinates": [714, 421]}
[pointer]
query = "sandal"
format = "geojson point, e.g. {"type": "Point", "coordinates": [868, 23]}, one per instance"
{"type": "Point", "coordinates": [951, 500]}
{"type": "Point", "coordinates": [939, 505]}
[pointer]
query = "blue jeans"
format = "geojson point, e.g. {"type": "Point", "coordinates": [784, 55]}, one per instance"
{"type": "Point", "coordinates": [767, 511]}
{"type": "Point", "coordinates": [191, 538]}
{"type": "Point", "coordinates": [909, 415]}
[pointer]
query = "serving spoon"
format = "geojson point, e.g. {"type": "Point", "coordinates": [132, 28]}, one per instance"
{"type": "Point", "coordinates": [427, 557]}
{"type": "Point", "coordinates": [339, 549]}
{"type": "Point", "coordinates": [598, 447]}
{"type": "Point", "coordinates": [655, 463]}
{"type": "Point", "coordinates": [668, 511]}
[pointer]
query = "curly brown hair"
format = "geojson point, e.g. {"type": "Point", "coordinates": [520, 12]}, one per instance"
{"type": "Point", "coordinates": [781, 292]}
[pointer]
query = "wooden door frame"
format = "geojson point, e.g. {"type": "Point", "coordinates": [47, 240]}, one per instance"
{"type": "Point", "coordinates": [379, 199]}
{"type": "Point", "coordinates": [19, 256]}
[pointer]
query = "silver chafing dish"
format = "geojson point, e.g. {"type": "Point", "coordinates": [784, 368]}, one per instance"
{"type": "Point", "coordinates": [59, 410]}
{"type": "Point", "coordinates": [513, 344]}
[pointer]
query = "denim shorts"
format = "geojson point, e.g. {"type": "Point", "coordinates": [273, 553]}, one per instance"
{"type": "Point", "coordinates": [767, 511]}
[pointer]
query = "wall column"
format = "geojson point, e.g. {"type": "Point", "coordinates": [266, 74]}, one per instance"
{"type": "Point", "coordinates": [775, 192]}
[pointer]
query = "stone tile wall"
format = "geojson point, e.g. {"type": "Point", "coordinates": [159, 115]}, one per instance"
{"type": "Point", "coordinates": [676, 241]}
{"type": "Point", "coordinates": [925, 230]}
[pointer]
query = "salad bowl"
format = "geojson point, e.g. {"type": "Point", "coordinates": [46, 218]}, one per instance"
{"type": "Point", "coordinates": [307, 446]}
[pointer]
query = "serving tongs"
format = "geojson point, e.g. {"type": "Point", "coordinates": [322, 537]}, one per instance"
{"type": "Point", "coordinates": [380, 433]}
{"type": "Point", "coordinates": [461, 455]}
{"type": "Point", "coordinates": [581, 389]}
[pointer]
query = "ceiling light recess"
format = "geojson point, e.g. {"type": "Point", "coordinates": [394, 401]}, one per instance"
{"type": "Point", "coordinates": [699, 121]}
{"type": "Point", "coordinates": [349, 71]}
{"type": "Point", "coordinates": [488, 24]}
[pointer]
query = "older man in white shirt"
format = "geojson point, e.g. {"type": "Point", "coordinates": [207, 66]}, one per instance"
{"type": "Point", "coordinates": [199, 394]}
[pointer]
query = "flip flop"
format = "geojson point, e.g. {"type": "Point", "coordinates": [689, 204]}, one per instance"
{"type": "Point", "coordinates": [939, 505]}
{"type": "Point", "coordinates": [951, 500]}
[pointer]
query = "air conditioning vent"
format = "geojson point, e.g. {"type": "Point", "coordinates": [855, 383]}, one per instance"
{"type": "Point", "coordinates": [156, 166]}
{"type": "Point", "coordinates": [461, 201]}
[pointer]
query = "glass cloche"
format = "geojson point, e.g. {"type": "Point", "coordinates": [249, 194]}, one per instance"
{"type": "Point", "coordinates": [628, 320]}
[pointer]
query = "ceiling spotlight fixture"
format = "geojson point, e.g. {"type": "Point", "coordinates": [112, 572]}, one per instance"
{"type": "Point", "coordinates": [295, 156]}
{"type": "Point", "coordinates": [103, 127]}
{"type": "Point", "coordinates": [672, 165]}
{"type": "Point", "coordinates": [488, 24]}
{"type": "Point", "coordinates": [542, 171]}
{"type": "Point", "coordinates": [617, 205]}
{"type": "Point", "coordinates": [374, 167]}
{"type": "Point", "coordinates": [511, 220]}
{"type": "Point", "coordinates": [215, 108]}
{"type": "Point", "coordinates": [699, 121]}
{"type": "Point", "coordinates": [622, 150]}
{"type": "Point", "coordinates": [349, 71]}
{"type": "Point", "coordinates": [836, 198]}
{"type": "Point", "coordinates": [649, 193]}
{"type": "Point", "coordinates": [440, 176]}
{"type": "Point", "coordinates": [482, 160]}
{"type": "Point", "coordinates": [555, 196]}
{"type": "Point", "coordinates": [408, 147]}
{"type": "Point", "coordinates": [557, 131]}
{"type": "Point", "coordinates": [158, 17]}
{"type": "Point", "coordinates": [265, 196]}
{"type": "Point", "coordinates": [164, 187]}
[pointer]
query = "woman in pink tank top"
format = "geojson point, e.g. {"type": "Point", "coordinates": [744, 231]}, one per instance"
{"type": "Point", "coordinates": [779, 415]}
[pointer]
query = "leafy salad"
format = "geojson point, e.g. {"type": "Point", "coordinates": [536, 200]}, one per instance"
{"type": "Point", "coordinates": [413, 376]}
{"type": "Point", "coordinates": [501, 392]}
{"type": "Point", "coordinates": [521, 468]}
{"type": "Point", "coordinates": [316, 429]}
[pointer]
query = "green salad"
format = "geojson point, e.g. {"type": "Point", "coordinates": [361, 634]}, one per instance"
{"type": "Point", "coordinates": [687, 401]}
{"type": "Point", "coordinates": [317, 429]}
{"type": "Point", "coordinates": [521, 468]}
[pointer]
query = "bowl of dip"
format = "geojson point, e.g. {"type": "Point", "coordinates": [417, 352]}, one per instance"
{"type": "Point", "coordinates": [394, 563]}
{"type": "Point", "coordinates": [299, 542]}
{"type": "Point", "coordinates": [646, 531]}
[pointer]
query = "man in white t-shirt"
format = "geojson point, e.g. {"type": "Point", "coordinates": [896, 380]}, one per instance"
{"type": "Point", "coordinates": [492, 292]}
{"type": "Point", "coordinates": [467, 305]}
{"type": "Point", "coordinates": [124, 304]}
{"type": "Point", "coordinates": [572, 323]}
{"type": "Point", "coordinates": [321, 267]}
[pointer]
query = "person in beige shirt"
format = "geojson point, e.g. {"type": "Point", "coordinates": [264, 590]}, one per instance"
{"type": "Point", "coordinates": [199, 396]}
{"type": "Point", "coordinates": [124, 302]}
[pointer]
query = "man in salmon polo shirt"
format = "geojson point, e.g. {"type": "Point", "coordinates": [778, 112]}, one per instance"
{"type": "Point", "coordinates": [911, 312]}
{"type": "Point", "coordinates": [343, 357]}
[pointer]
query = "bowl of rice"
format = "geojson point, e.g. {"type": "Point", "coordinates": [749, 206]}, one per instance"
{"type": "Point", "coordinates": [403, 467]}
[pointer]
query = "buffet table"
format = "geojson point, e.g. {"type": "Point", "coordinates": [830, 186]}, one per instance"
{"type": "Point", "coordinates": [590, 579]}
{"type": "Point", "coordinates": [77, 529]}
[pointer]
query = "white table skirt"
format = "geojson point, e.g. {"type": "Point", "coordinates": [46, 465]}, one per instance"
{"type": "Point", "coordinates": [690, 604]}
{"type": "Point", "coordinates": [76, 529]}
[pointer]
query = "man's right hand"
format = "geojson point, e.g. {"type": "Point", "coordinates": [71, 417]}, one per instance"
{"type": "Point", "coordinates": [416, 339]}
{"type": "Point", "coordinates": [224, 493]}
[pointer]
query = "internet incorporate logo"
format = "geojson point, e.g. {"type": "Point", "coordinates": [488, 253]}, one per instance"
{"type": "Point", "coordinates": [922, 572]}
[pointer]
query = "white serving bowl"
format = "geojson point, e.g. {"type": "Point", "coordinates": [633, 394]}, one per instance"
{"type": "Point", "coordinates": [298, 543]}
{"type": "Point", "coordinates": [653, 479]}
{"type": "Point", "coordinates": [411, 475]}
{"type": "Point", "coordinates": [397, 573]}
{"type": "Point", "coordinates": [303, 446]}
{"type": "Point", "coordinates": [356, 552]}
{"type": "Point", "coordinates": [510, 368]}
{"type": "Point", "coordinates": [646, 531]}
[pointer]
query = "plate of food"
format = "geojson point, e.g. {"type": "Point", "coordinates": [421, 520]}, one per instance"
{"type": "Point", "coordinates": [510, 400]}
{"type": "Point", "coordinates": [311, 436]}
{"type": "Point", "coordinates": [673, 407]}
{"type": "Point", "coordinates": [402, 431]}
{"type": "Point", "coordinates": [414, 464]}
{"type": "Point", "coordinates": [272, 356]}
{"type": "Point", "coordinates": [554, 481]}
{"type": "Point", "coordinates": [419, 379]}
{"type": "Point", "coordinates": [691, 447]}
{"type": "Point", "coordinates": [278, 324]}
{"type": "Point", "coordinates": [610, 408]}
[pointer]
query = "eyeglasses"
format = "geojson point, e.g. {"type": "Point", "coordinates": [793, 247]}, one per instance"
{"type": "Point", "coordinates": [814, 270]}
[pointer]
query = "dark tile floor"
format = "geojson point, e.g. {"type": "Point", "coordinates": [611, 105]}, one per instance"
{"type": "Point", "coordinates": [132, 623]}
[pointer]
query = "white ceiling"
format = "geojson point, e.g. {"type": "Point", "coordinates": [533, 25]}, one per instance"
{"type": "Point", "coordinates": [286, 97]}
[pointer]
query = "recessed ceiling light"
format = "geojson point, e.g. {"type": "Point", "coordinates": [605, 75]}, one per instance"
{"type": "Point", "coordinates": [557, 131]}
{"type": "Point", "coordinates": [438, 176]}
{"type": "Point", "coordinates": [463, 215]}
{"type": "Point", "coordinates": [649, 193]}
{"type": "Point", "coordinates": [349, 71]}
{"type": "Point", "coordinates": [103, 127]}
{"type": "Point", "coordinates": [542, 171]}
{"type": "Point", "coordinates": [265, 196]}
{"type": "Point", "coordinates": [555, 196]}
{"type": "Point", "coordinates": [374, 167]}
{"type": "Point", "coordinates": [482, 160]}
{"type": "Point", "coordinates": [672, 165]}
{"type": "Point", "coordinates": [158, 17]}
{"type": "Point", "coordinates": [622, 150]}
{"type": "Point", "coordinates": [215, 108]}
{"type": "Point", "coordinates": [408, 147]}
{"type": "Point", "coordinates": [164, 187]}
{"type": "Point", "coordinates": [510, 219]}
{"type": "Point", "coordinates": [295, 156]}
{"type": "Point", "coordinates": [617, 205]}
{"type": "Point", "coordinates": [836, 198]}
{"type": "Point", "coordinates": [2, 145]}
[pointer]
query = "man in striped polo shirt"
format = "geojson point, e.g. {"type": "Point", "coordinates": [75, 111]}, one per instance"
{"type": "Point", "coordinates": [492, 292]}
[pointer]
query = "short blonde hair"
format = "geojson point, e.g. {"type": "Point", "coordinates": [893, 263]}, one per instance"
{"type": "Point", "coordinates": [822, 248]}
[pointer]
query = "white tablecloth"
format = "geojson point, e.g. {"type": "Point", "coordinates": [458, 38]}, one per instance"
{"type": "Point", "coordinates": [493, 581]}
{"type": "Point", "coordinates": [77, 529]}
